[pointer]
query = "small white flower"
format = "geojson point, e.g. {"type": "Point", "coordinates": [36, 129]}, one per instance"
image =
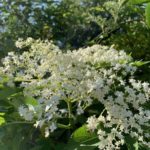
{"type": "Point", "coordinates": [92, 123]}
{"type": "Point", "coordinates": [53, 127]}
{"type": "Point", "coordinates": [39, 123]}
{"type": "Point", "coordinates": [31, 108]}
{"type": "Point", "coordinates": [28, 116]}
{"type": "Point", "coordinates": [80, 111]}
{"type": "Point", "coordinates": [22, 110]}
{"type": "Point", "coordinates": [48, 107]}
{"type": "Point", "coordinates": [46, 132]}
{"type": "Point", "coordinates": [101, 119]}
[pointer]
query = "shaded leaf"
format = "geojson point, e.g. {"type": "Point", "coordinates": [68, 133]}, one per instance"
{"type": "Point", "coordinates": [15, 137]}
{"type": "Point", "coordinates": [131, 143]}
{"type": "Point", "coordinates": [147, 14]}
{"type": "Point", "coordinates": [6, 92]}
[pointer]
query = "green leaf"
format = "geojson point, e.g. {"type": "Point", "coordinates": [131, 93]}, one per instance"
{"type": "Point", "coordinates": [15, 137]}
{"type": "Point", "coordinates": [138, 1]}
{"type": "Point", "coordinates": [72, 145]}
{"type": "Point", "coordinates": [82, 139]}
{"type": "Point", "coordinates": [139, 63]}
{"type": "Point", "coordinates": [30, 101]}
{"type": "Point", "coordinates": [143, 147]}
{"type": "Point", "coordinates": [2, 120]}
{"type": "Point", "coordinates": [83, 135]}
{"type": "Point", "coordinates": [147, 14]}
{"type": "Point", "coordinates": [131, 143]}
{"type": "Point", "coordinates": [1, 86]}
{"type": "Point", "coordinates": [45, 144]}
{"type": "Point", "coordinates": [136, 145]}
{"type": "Point", "coordinates": [6, 92]}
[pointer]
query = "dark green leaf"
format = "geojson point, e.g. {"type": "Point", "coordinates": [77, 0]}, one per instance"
{"type": "Point", "coordinates": [131, 143]}
{"type": "Point", "coordinates": [6, 92]}
{"type": "Point", "coordinates": [15, 137]}
{"type": "Point", "coordinates": [147, 14]}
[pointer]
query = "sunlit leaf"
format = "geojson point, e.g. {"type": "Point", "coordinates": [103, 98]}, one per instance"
{"type": "Point", "coordinates": [138, 1]}
{"type": "Point", "coordinates": [83, 135]}
{"type": "Point", "coordinates": [2, 119]}
{"type": "Point", "coordinates": [30, 100]}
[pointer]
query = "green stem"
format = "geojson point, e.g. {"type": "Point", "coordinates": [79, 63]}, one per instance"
{"type": "Point", "coordinates": [69, 116]}
{"type": "Point", "coordinates": [69, 112]}
{"type": "Point", "coordinates": [17, 122]}
{"type": "Point", "coordinates": [63, 126]}
{"type": "Point", "coordinates": [102, 111]}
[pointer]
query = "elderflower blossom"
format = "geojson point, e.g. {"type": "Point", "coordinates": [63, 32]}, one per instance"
{"type": "Point", "coordinates": [92, 123]}
{"type": "Point", "coordinates": [75, 80]}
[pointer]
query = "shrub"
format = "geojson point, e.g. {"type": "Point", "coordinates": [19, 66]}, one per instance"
{"type": "Point", "coordinates": [96, 83]}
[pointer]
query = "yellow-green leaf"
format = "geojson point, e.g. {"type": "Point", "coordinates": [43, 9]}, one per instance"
{"type": "Point", "coordinates": [147, 14]}
{"type": "Point", "coordinates": [138, 1]}
{"type": "Point", "coordinates": [83, 135]}
{"type": "Point", "coordinates": [31, 101]}
{"type": "Point", "coordinates": [2, 120]}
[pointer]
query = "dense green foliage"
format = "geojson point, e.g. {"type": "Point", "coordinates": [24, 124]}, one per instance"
{"type": "Point", "coordinates": [72, 24]}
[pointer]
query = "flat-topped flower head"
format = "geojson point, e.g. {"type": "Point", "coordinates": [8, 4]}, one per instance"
{"type": "Point", "coordinates": [65, 84]}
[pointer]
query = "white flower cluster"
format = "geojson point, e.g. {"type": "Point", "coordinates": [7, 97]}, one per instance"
{"type": "Point", "coordinates": [65, 84]}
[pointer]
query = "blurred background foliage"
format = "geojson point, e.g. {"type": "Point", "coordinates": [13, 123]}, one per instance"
{"type": "Point", "coordinates": [78, 23]}
{"type": "Point", "coordinates": [73, 24]}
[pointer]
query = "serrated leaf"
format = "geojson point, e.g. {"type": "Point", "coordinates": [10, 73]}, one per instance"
{"type": "Point", "coordinates": [30, 101]}
{"type": "Point", "coordinates": [147, 14]}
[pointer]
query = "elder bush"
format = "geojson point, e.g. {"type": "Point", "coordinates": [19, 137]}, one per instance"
{"type": "Point", "coordinates": [64, 86]}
